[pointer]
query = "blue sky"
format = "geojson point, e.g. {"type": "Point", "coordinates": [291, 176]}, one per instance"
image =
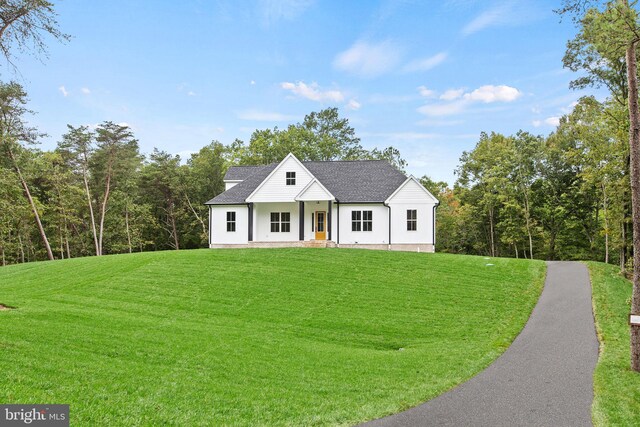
{"type": "Point", "coordinates": [424, 76]}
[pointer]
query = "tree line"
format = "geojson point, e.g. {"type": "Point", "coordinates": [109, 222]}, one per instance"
{"type": "Point", "coordinates": [97, 194]}
{"type": "Point", "coordinates": [561, 196]}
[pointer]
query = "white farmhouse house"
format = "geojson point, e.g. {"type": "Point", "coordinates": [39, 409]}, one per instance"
{"type": "Point", "coordinates": [365, 203]}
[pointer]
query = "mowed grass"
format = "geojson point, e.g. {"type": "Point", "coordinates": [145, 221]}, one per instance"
{"type": "Point", "coordinates": [616, 386]}
{"type": "Point", "coordinates": [255, 337]}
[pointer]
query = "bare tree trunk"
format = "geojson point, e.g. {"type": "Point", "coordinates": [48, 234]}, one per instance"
{"type": "Point", "coordinates": [27, 193]}
{"type": "Point", "coordinates": [516, 247]}
{"type": "Point", "coordinates": [126, 222]}
{"type": "Point", "coordinates": [623, 249]}
{"type": "Point", "coordinates": [103, 212]}
{"type": "Point", "coordinates": [172, 217]}
{"type": "Point", "coordinates": [528, 218]}
{"type": "Point", "coordinates": [634, 149]}
{"type": "Point", "coordinates": [61, 243]}
{"type": "Point", "coordinates": [4, 261]}
{"type": "Point", "coordinates": [204, 227]}
{"type": "Point", "coordinates": [493, 248]}
{"type": "Point", "coordinates": [21, 248]}
{"type": "Point", "coordinates": [93, 220]}
{"type": "Point", "coordinates": [66, 239]}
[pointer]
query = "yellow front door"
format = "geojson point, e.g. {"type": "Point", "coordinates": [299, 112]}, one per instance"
{"type": "Point", "coordinates": [321, 226]}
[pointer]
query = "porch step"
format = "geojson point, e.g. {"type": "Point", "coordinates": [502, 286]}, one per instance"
{"type": "Point", "coordinates": [319, 244]}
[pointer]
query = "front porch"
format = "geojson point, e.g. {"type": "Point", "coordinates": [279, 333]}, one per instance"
{"type": "Point", "coordinates": [298, 244]}
{"type": "Point", "coordinates": [308, 222]}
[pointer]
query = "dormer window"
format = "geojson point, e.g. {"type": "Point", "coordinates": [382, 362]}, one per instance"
{"type": "Point", "coordinates": [291, 178]}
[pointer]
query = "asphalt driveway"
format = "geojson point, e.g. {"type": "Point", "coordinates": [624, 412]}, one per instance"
{"type": "Point", "coordinates": [545, 378]}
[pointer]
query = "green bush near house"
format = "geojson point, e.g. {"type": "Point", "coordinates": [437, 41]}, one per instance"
{"type": "Point", "coordinates": [616, 386]}
{"type": "Point", "coordinates": [255, 337]}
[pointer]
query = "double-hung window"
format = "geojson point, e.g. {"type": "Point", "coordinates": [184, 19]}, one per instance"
{"type": "Point", "coordinates": [412, 219]}
{"type": "Point", "coordinates": [291, 178]}
{"type": "Point", "coordinates": [361, 220]}
{"type": "Point", "coordinates": [231, 221]}
{"type": "Point", "coordinates": [280, 222]}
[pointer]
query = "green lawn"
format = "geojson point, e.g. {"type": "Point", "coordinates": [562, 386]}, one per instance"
{"type": "Point", "coordinates": [616, 387]}
{"type": "Point", "coordinates": [255, 337]}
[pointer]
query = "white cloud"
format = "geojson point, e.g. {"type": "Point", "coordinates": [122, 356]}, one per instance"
{"type": "Point", "coordinates": [63, 91]}
{"type": "Point", "coordinates": [549, 121]}
{"type": "Point", "coordinates": [484, 20]}
{"type": "Point", "coordinates": [85, 90]}
{"type": "Point", "coordinates": [425, 64]}
{"type": "Point", "coordinates": [191, 93]}
{"type": "Point", "coordinates": [353, 105]}
{"type": "Point", "coordinates": [451, 94]}
{"type": "Point", "coordinates": [427, 93]}
{"type": "Point", "coordinates": [509, 13]}
{"type": "Point", "coordinates": [276, 10]}
{"type": "Point", "coordinates": [456, 100]}
{"type": "Point", "coordinates": [368, 59]}
{"type": "Point", "coordinates": [252, 82]}
{"type": "Point", "coordinates": [263, 116]}
{"type": "Point", "coordinates": [490, 93]}
{"type": "Point", "coordinates": [312, 92]}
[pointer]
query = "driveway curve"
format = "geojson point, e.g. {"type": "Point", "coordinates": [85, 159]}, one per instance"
{"type": "Point", "coordinates": [545, 378]}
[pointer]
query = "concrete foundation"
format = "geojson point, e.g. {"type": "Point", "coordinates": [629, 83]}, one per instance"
{"type": "Point", "coordinates": [329, 244]}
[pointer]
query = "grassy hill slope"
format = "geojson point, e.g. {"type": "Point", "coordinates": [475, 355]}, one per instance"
{"type": "Point", "coordinates": [616, 386]}
{"type": "Point", "coordinates": [273, 336]}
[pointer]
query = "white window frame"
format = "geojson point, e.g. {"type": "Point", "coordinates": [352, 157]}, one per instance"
{"type": "Point", "coordinates": [361, 220]}
{"type": "Point", "coordinates": [290, 178]}
{"type": "Point", "coordinates": [231, 221]}
{"type": "Point", "coordinates": [279, 223]}
{"type": "Point", "coordinates": [412, 219]}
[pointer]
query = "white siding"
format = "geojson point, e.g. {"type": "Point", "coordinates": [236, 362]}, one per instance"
{"type": "Point", "coordinates": [262, 215]}
{"type": "Point", "coordinates": [315, 192]}
{"type": "Point", "coordinates": [423, 233]}
{"type": "Point", "coordinates": [380, 229]}
{"type": "Point", "coordinates": [412, 192]}
{"type": "Point", "coordinates": [274, 189]}
{"type": "Point", "coordinates": [412, 196]}
{"type": "Point", "coordinates": [219, 233]}
{"type": "Point", "coordinates": [230, 184]}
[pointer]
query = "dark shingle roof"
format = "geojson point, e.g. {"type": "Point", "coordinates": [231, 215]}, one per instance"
{"type": "Point", "coordinates": [238, 193]}
{"type": "Point", "coordinates": [358, 180]}
{"type": "Point", "coordinates": [240, 173]}
{"type": "Point", "coordinates": [348, 181]}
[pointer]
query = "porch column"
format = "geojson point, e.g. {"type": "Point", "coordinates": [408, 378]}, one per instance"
{"type": "Point", "coordinates": [301, 219]}
{"type": "Point", "coordinates": [329, 220]}
{"type": "Point", "coordinates": [250, 227]}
